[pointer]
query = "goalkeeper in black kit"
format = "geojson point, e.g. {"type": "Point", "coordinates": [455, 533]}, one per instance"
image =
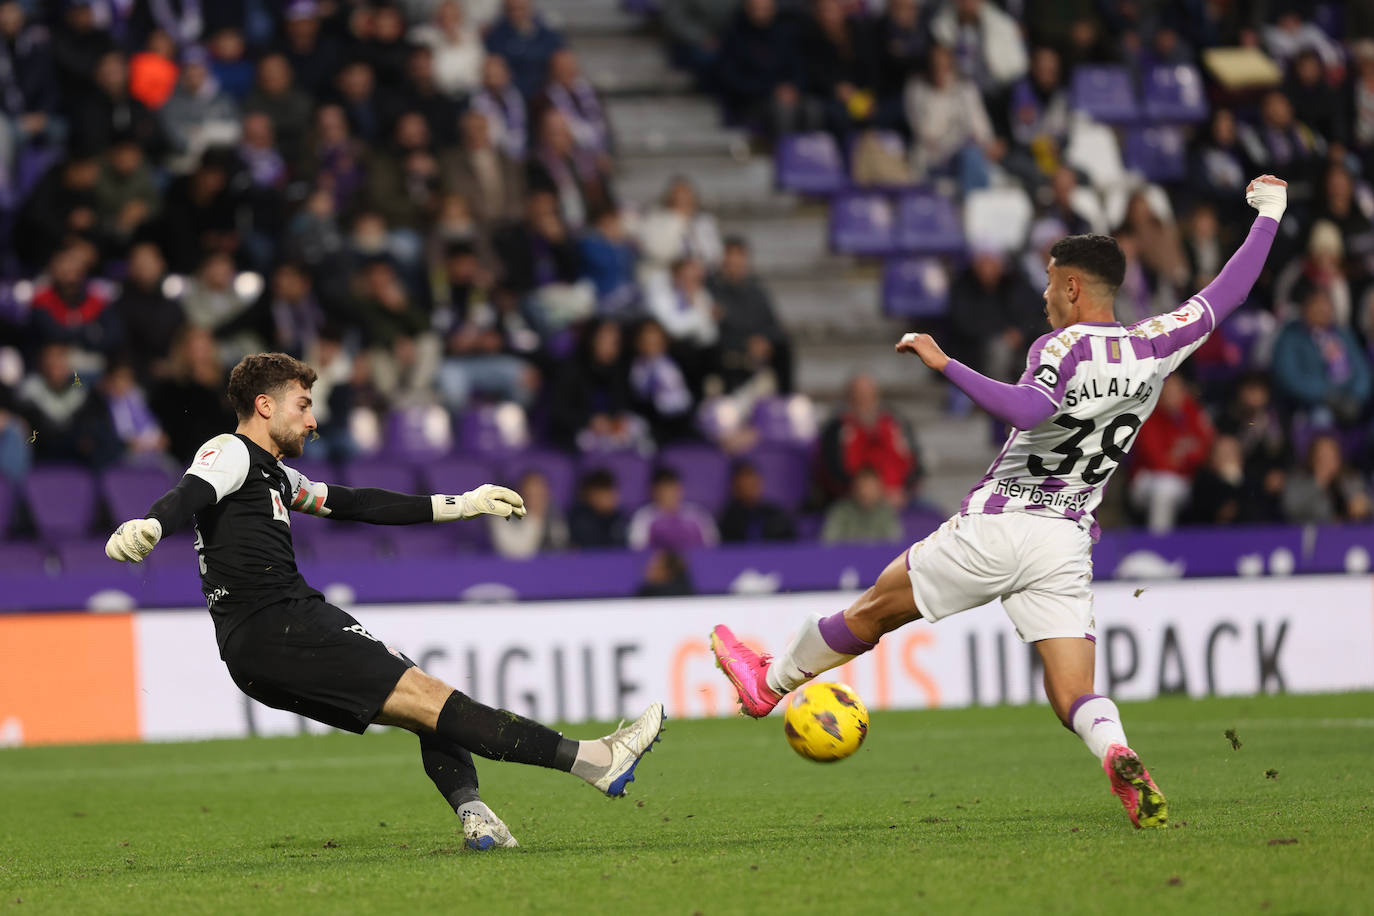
{"type": "Point", "coordinates": [288, 648]}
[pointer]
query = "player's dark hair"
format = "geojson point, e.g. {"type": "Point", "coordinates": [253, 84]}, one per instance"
{"type": "Point", "coordinates": [1098, 255]}
{"type": "Point", "coordinates": [743, 466]}
{"type": "Point", "coordinates": [665, 474]}
{"type": "Point", "coordinates": [265, 373]}
{"type": "Point", "coordinates": [597, 479]}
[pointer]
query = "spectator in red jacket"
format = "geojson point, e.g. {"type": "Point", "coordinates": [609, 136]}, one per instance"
{"type": "Point", "coordinates": [70, 307]}
{"type": "Point", "coordinates": [1170, 448]}
{"type": "Point", "coordinates": [867, 434]}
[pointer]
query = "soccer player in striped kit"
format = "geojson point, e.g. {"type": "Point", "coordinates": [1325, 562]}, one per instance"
{"type": "Point", "coordinates": [1025, 532]}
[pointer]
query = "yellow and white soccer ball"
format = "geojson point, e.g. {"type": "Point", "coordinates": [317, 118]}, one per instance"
{"type": "Point", "coordinates": [825, 721]}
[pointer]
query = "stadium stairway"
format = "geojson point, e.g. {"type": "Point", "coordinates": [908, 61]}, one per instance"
{"type": "Point", "coordinates": [829, 302]}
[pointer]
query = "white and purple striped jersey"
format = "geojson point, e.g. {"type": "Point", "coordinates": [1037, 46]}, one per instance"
{"type": "Point", "coordinates": [1102, 380]}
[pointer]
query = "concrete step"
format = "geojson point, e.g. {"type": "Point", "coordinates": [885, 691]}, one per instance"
{"type": "Point", "coordinates": [583, 20]}
{"type": "Point", "coordinates": [837, 304]}
{"type": "Point", "coordinates": [673, 114]}
{"type": "Point", "coordinates": [782, 244]}
{"type": "Point", "coordinates": [722, 181]}
{"type": "Point", "coordinates": [825, 366]}
{"type": "Point", "coordinates": [620, 64]}
{"type": "Point", "coordinates": [672, 125]}
{"type": "Point", "coordinates": [957, 452]}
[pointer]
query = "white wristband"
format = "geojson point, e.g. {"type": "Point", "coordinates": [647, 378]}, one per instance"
{"type": "Point", "coordinates": [447, 508]}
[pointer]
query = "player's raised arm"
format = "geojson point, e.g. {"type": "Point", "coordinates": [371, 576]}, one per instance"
{"type": "Point", "coordinates": [1176, 335]}
{"type": "Point", "coordinates": [387, 507]}
{"type": "Point", "coordinates": [219, 468]}
{"type": "Point", "coordinates": [1268, 195]}
{"type": "Point", "coordinates": [1024, 405]}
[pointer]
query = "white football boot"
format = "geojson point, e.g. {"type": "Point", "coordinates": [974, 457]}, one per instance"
{"type": "Point", "coordinates": [627, 746]}
{"type": "Point", "coordinates": [482, 829]}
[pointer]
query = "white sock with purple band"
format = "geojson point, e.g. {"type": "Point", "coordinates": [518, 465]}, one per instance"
{"type": "Point", "coordinates": [822, 643]}
{"type": "Point", "coordinates": [1097, 722]}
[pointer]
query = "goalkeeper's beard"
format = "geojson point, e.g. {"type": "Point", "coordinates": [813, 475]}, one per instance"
{"type": "Point", "coordinates": [291, 445]}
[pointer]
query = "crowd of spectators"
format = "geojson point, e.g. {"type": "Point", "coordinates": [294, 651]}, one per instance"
{"type": "Point", "coordinates": [418, 197]}
{"type": "Point", "coordinates": [1274, 419]}
{"type": "Point", "coordinates": [415, 197]}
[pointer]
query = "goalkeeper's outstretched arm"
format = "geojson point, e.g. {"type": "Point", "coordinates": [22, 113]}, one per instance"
{"type": "Point", "coordinates": [388, 507]}
{"type": "Point", "coordinates": [136, 538]}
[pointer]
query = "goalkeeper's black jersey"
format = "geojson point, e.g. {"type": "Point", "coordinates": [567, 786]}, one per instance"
{"type": "Point", "coordinates": [243, 541]}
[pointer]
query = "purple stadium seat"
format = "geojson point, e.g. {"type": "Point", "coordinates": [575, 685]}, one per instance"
{"type": "Point", "coordinates": [458, 474]}
{"type": "Point", "coordinates": [809, 527]}
{"type": "Point", "coordinates": [917, 523]}
{"type": "Point", "coordinates": [418, 433]}
{"type": "Point", "coordinates": [316, 470]}
{"type": "Point", "coordinates": [785, 420]}
{"type": "Point", "coordinates": [494, 429]}
{"type": "Point", "coordinates": [6, 506]}
{"type": "Point", "coordinates": [33, 163]}
{"type": "Point", "coordinates": [556, 467]}
{"type": "Point", "coordinates": [705, 473]}
{"type": "Point", "coordinates": [784, 472]}
{"type": "Point", "coordinates": [427, 540]}
{"type": "Point", "coordinates": [22, 556]}
{"type": "Point", "coordinates": [915, 288]}
{"type": "Point", "coordinates": [62, 502]}
{"type": "Point", "coordinates": [1248, 330]}
{"type": "Point", "coordinates": [382, 474]}
{"type": "Point", "coordinates": [1174, 94]}
{"type": "Point", "coordinates": [810, 164]}
{"type": "Point", "coordinates": [631, 471]}
{"type": "Point", "coordinates": [928, 223]}
{"type": "Point", "coordinates": [473, 536]}
{"type": "Point", "coordinates": [128, 492]}
{"type": "Point", "coordinates": [1105, 93]}
{"type": "Point", "coordinates": [306, 529]}
{"type": "Point", "coordinates": [88, 554]}
{"type": "Point", "coordinates": [861, 223]}
{"type": "Point", "coordinates": [1159, 153]}
{"type": "Point", "coordinates": [338, 541]}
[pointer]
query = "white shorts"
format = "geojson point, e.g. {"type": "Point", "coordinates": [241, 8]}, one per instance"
{"type": "Point", "coordinates": [1040, 567]}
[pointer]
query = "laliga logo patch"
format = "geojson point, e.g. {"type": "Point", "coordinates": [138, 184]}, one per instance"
{"type": "Point", "coordinates": [1047, 376]}
{"type": "Point", "coordinates": [207, 457]}
{"type": "Point", "coordinates": [1189, 313]}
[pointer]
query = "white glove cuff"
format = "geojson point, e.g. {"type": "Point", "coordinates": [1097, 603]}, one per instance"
{"type": "Point", "coordinates": [449, 508]}
{"type": "Point", "coordinates": [1273, 210]}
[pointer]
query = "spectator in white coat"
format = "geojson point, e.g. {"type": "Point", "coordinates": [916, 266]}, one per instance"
{"type": "Point", "coordinates": [986, 42]}
{"type": "Point", "coordinates": [457, 47]}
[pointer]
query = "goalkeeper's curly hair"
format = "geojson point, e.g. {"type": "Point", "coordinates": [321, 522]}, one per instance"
{"type": "Point", "coordinates": [265, 373]}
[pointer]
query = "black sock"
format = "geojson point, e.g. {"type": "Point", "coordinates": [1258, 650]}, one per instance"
{"type": "Point", "coordinates": [499, 734]}
{"type": "Point", "coordinates": [450, 767]}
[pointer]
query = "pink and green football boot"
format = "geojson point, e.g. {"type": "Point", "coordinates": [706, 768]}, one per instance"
{"type": "Point", "coordinates": [747, 670]}
{"type": "Point", "coordinates": [1131, 782]}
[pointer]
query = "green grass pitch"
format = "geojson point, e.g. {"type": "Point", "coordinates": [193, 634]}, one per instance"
{"type": "Point", "coordinates": [971, 811]}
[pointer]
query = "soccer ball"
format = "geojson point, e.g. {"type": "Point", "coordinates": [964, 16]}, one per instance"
{"type": "Point", "coordinates": [825, 721]}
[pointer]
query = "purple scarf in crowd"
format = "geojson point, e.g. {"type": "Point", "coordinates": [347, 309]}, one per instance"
{"type": "Point", "coordinates": [582, 109]}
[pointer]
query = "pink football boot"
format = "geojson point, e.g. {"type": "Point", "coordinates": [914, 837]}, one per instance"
{"type": "Point", "coordinates": [746, 669]}
{"type": "Point", "coordinates": [1131, 782]}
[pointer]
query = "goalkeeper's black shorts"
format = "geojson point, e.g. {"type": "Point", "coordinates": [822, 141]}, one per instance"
{"type": "Point", "coordinates": [306, 656]}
